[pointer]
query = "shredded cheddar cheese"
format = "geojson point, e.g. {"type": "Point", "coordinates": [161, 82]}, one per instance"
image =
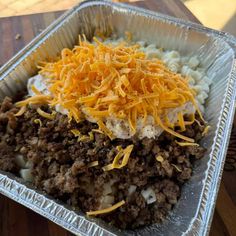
{"type": "Point", "coordinates": [181, 121]}
{"type": "Point", "coordinates": [126, 154]}
{"type": "Point", "coordinates": [106, 210]}
{"type": "Point", "coordinates": [35, 90]}
{"type": "Point", "coordinates": [76, 132]}
{"type": "Point", "coordinates": [37, 99]}
{"type": "Point", "coordinates": [97, 131]}
{"type": "Point", "coordinates": [121, 159]}
{"type": "Point", "coordinates": [21, 111]}
{"type": "Point", "coordinates": [92, 164]}
{"type": "Point", "coordinates": [206, 130]}
{"type": "Point", "coordinates": [176, 167]}
{"type": "Point", "coordinates": [38, 121]}
{"type": "Point", "coordinates": [45, 114]}
{"type": "Point", "coordinates": [107, 167]}
{"type": "Point", "coordinates": [103, 80]}
{"type": "Point", "coordinates": [183, 144]}
{"type": "Point", "coordinates": [198, 122]}
{"type": "Point", "coordinates": [105, 130]}
{"type": "Point", "coordinates": [83, 138]}
{"type": "Point", "coordinates": [159, 158]}
{"type": "Point", "coordinates": [91, 136]}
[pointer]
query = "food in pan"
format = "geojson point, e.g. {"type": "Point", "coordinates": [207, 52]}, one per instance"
{"type": "Point", "coordinates": [111, 127]}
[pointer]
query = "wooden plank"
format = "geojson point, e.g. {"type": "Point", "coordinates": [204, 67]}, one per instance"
{"type": "Point", "coordinates": [169, 7]}
{"type": "Point", "coordinates": [15, 219]}
{"type": "Point", "coordinates": [27, 27]}
{"type": "Point", "coordinates": [226, 210]}
{"type": "Point", "coordinates": [30, 26]}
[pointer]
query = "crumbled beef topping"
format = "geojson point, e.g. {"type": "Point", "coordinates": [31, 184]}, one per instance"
{"type": "Point", "coordinates": [59, 165]}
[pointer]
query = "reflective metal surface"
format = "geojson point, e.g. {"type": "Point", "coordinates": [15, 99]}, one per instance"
{"type": "Point", "coordinates": [216, 50]}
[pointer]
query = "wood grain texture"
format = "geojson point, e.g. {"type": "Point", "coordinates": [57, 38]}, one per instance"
{"type": "Point", "coordinates": [16, 219]}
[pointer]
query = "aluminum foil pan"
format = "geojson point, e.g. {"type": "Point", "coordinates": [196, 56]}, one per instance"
{"type": "Point", "coordinates": [193, 213]}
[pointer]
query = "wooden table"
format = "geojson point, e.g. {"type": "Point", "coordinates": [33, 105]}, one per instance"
{"type": "Point", "coordinates": [16, 219]}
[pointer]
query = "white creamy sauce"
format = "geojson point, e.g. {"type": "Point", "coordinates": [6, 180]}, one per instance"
{"type": "Point", "coordinates": [41, 85]}
{"type": "Point", "coordinates": [39, 82]}
{"type": "Point", "coordinates": [121, 129]}
{"type": "Point", "coordinates": [187, 66]}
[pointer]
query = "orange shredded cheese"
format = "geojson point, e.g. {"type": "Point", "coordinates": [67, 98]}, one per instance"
{"type": "Point", "coordinates": [45, 114]}
{"type": "Point", "coordinates": [118, 81]}
{"type": "Point", "coordinates": [121, 159]}
{"type": "Point", "coordinates": [176, 167]}
{"type": "Point", "coordinates": [198, 122]}
{"type": "Point", "coordinates": [206, 130]}
{"type": "Point", "coordinates": [35, 90]}
{"type": "Point", "coordinates": [91, 136]}
{"type": "Point", "coordinates": [83, 138]}
{"type": "Point", "coordinates": [97, 131]}
{"type": "Point", "coordinates": [76, 132]}
{"type": "Point", "coordinates": [175, 133]}
{"type": "Point", "coordinates": [37, 99]}
{"type": "Point", "coordinates": [181, 121]}
{"type": "Point", "coordinates": [184, 144]}
{"type": "Point", "coordinates": [38, 121]}
{"type": "Point", "coordinates": [159, 158]}
{"type": "Point", "coordinates": [107, 167]}
{"type": "Point", "coordinates": [125, 153]}
{"type": "Point", "coordinates": [92, 164]}
{"type": "Point", "coordinates": [191, 121]}
{"type": "Point", "coordinates": [105, 130]}
{"type": "Point", "coordinates": [21, 111]}
{"type": "Point", "coordinates": [106, 210]}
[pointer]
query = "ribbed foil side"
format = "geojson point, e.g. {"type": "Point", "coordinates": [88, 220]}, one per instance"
{"type": "Point", "coordinates": [17, 190]}
{"type": "Point", "coordinates": [216, 51]}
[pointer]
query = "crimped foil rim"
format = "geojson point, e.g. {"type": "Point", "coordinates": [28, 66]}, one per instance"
{"type": "Point", "coordinates": [15, 60]}
{"type": "Point", "coordinates": [221, 140]}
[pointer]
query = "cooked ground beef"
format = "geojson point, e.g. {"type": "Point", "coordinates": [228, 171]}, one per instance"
{"type": "Point", "coordinates": [59, 165]}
